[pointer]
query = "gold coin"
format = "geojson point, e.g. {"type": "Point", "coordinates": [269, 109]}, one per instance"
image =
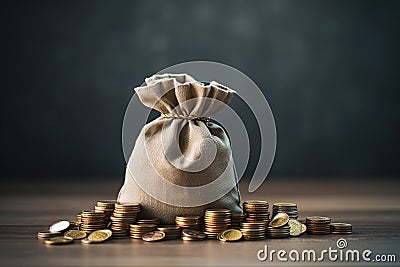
{"type": "Point", "coordinates": [295, 227]}
{"type": "Point", "coordinates": [153, 236]}
{"type": "Point", "coordinates": [230, 235]}
{"type": "Point", "coordinates": [75, 234]}
{"type": "Point", "coordinates": [100, 235]}
{"type": "Point", "coordinates": [279, 220]}
{"type": "Point", "coordinates": [303, 228]}
{"type": "Point", "coordinates": [58, 240]}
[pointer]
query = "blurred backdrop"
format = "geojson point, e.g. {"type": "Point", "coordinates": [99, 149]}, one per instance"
{"type": "Point", "coordinates": [329, 69]}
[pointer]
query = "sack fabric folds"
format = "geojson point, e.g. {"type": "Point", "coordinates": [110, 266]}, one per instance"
{"type": "Point", "coordinates": [182, 162]}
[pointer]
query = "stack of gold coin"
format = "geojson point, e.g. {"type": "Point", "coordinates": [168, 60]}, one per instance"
{"type": "Point", "coordinates": [124, 215]}
{"type": "Point", "coordinates": [105, 206]}
{"type": "Point", "coordinates": [237, 219]}
{"type": "Point", "coordinates": [253, 230]}
{"type": "Point", "coordinates": [189, 222]}
{"type": "Point", "coordinates": [137, 231]}
{"type": "Point", "coordinates": [341, 228]}
{"type": "Point", "coordinates": [216, 221]}
{"type": "Point", "coordinates": [318, 225]}
{"type": "Point", "coordinates": [289, 208]}
{"type": "Point", "coordinates": [92, 221]}
{"type": "Point", "coordinates": [155, 221]}
{"type": "Point", "coordinates": [171, 231]}
{"type": "Point", "coordinates": [79, 219]}
{"type": "Point", "coordinates": [256, 210]}
{"type": "Point", "coordinates": [192, 235]}
{"type": "Point", "coordinates": [278, 227]}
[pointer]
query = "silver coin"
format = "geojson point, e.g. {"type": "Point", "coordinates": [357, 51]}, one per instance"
{"type": "Point", "coordinates": [59, 226]}
{"type": "Point", "coordinates": [47, 233]}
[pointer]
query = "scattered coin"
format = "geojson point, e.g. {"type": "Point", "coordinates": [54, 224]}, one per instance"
{"type": "Point", "coordinates": [192, 235]}
{"type": "Point", "coordinates": [295, 227]}
{"type": "Point", "coordinates": [230, 235]}
{"type": "Point", "coordinates": [47, 234]}
{"type": "Point", "coordinates": [153, 236]}
{"type": "Point", "coordinates": [60, 226]}
{"type": "Point", "coordinates": [100, 235]}
{"type": "Point", "coordinates": [303, 228]}
{"type": "Point", "coordinates": [75, 234]}
{"type": "Point", "coordinates": [279, 220]}
{"type": "Point", "coordinates": [58, 240]}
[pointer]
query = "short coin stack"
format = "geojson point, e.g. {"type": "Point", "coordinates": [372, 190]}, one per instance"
{"type": "Point", "coordinates": [105, 206]}
{"type": "Point", "coordinates": [237, 219]}
{"type": "Point", "coordinates": [192, 235]}
{"type": "Point", "coordinates": [289, 208]}
{"type": "Point", "coordinates": [256, 210]}
{"type": "Point", "coordinates": [278, 227]}
{"type": "Point", "coordinates": [137, 231]}
{"type": "Point", "coordinates": [216, 221]}
{"type": "Point", "coordinates": [318, 225]}
{"type": "Point", "coordinates": [253, 230]}
{"type": "Point", "coordinates": [189, 222]}
{"type": "Point", "coordinates": [124, 215]}
{"type": "Point", "coordinates": [92, 221]}
{"type": "Point", "coordinates": [170, 231]}
{"type": "Point", "coordinates": [341, 228]}
{"type": "Point", "coordinates": [155, 221]}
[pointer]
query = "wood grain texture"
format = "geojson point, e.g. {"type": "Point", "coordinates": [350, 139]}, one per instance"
{"type": "Point", "coordinates": [26, 208]}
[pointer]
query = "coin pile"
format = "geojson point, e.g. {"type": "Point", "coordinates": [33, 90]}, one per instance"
{"type": "Point", "coordinates": [289, 208]}
{"type": "Point", "coordinates": [137, 231]}
{"type": "Point", "coordinates": [237, 219]}
{"type": "Point", "coordinates": [92, 221]}
{"type": "Point", "coordinates": [253, 230]}
{"type": "Point", "coordinates": [216, 221]}
{"type": "Point", "coordinates": [318, 225]}
{"type": "Point", "coordinates": [170, 231]}
{"type": "Point", "coordinates": [155, 221]}
{"type": "Point", "coordinates": [189, 222]}
{"type": "Point", "coordinates": [341, 228]}
{"type": "Point", "coordinates": [278, 227]}
{"type": "Point", "coordinates": [124, 215]}
{"type": "Point", "coordinates": [192, 235]}
{"type": "Point", "coordinates": [256, 210]}
{"type": "Point", "coordinates": [106, 207]}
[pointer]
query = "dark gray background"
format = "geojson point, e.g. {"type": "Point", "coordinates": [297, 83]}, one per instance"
{"type": "Point", "coordinates": [329, 69]}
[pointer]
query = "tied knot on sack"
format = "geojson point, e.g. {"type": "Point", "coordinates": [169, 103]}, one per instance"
{"type": "Point", "coordinates": [185, 117]}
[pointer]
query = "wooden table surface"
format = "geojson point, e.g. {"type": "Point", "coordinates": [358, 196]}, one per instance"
{"type": "Point", "coordinates": [371, 206]}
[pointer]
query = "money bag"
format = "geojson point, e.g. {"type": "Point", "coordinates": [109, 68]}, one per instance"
{"type": "Point", "coordinates": [182, 162]}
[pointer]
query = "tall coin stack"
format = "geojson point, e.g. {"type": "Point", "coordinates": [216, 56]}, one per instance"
{"type": "Point", "coordinates": [189, 222]}
{"type": "Point", "coordinates": [106, 207]}
{"type": "Point", "coordinates": [253, 230]}
{"type": "Point", "coordinates": [318, 225]}
{"type": "Point", "coordinates": [237, 219]}
{"type": "Point", "coordinates": [170, 231]}
{"type": "Point", "coordinates": [92, 221]}
{"type": "Point", "coordinates": [256, 210]}
{"type": "Point", "coordinates": [138, 230]}
{"type": "Point", "coordinates": [341, 228]}
{"type": "Point", "coordinates": [289, 208]}
{"type": "Point", "coordinates": [124, 215]}
{"type": "Point", "coordinates": [216, 221]}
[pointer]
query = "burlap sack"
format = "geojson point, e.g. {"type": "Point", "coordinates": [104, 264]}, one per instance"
{"type": "Point", "coordinates": [181, 163]}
